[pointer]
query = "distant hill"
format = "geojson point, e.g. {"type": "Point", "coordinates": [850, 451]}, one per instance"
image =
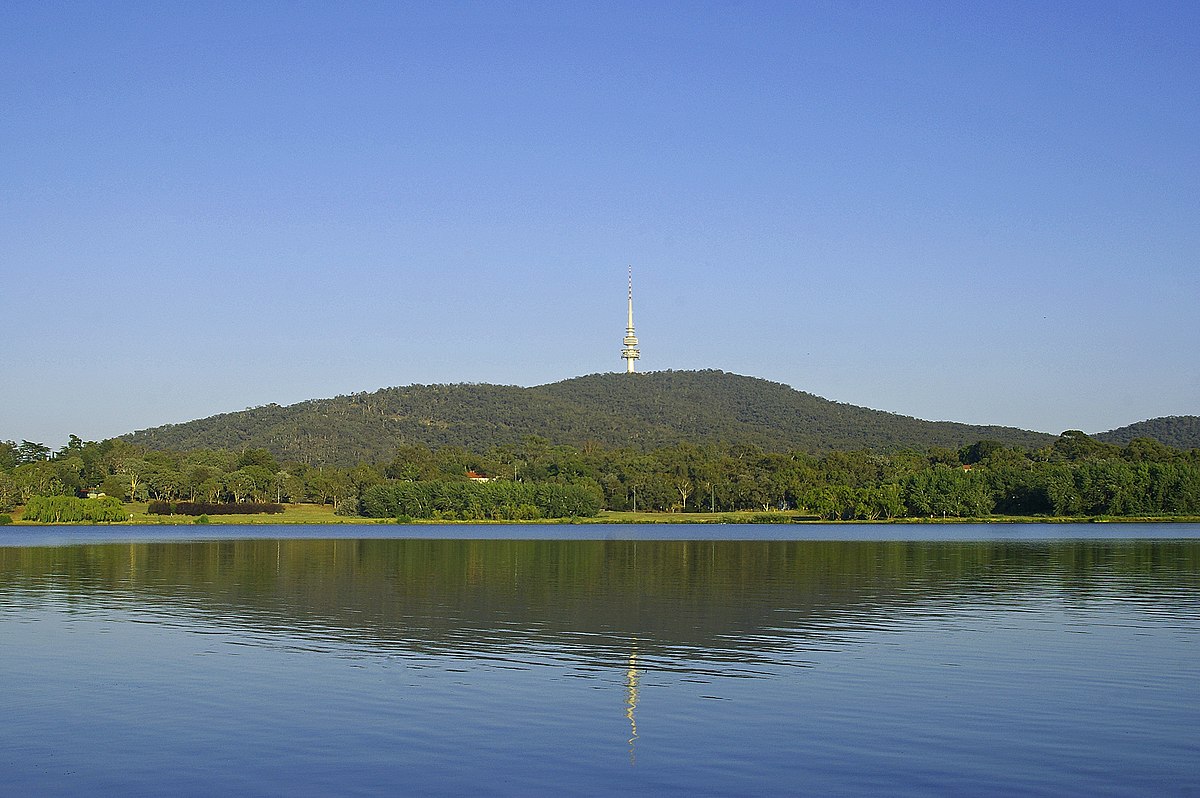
{"type": "Point", "coordinates": [1182, 432]}
{"type": "Point", "coordinates": [616, 409]}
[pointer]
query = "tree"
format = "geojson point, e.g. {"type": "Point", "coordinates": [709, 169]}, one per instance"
{"type": "Point", "coordinates": [978, 452]}
{"type": "Point", "coordinates": [883, 501]}
{"type": "Point", "coordinates": [8, 455]}
{"type": "Point", "coordinates": [241, 485]}
{"type": "Point", "coordinates": [1107, 487]}
{"type": "Point", "coordinates": [332, 486]}
{"type": "Point", "coordinates": [1062, 491]}
{"type": "Point", "coordinates": [133, 469]}
{"type": "Point", "coordinates": [948, 492]}
{"type": "Point", "coordinates": [1147, 450]}
{"type": "Point", "coordinates": [343, 492]}
{"type": "Point", "coordinates": [164, 483]}
{"type": "Point", "coordinates": [74, 446]}
{"type": "Point", "coordinates": [291, 486]}
{"type": "Point", "coordinates": [685, 488]}
{"type": "Point", "coordinates": [940, 455]}
{"type": "Point", "coordinates": [364, 476]}
{"type": "Point", "coordinates": [212, 488]}
{"type": "Point", "coordinates": [411, 463]}
{"type": "Point", "coordinates": [1074, 445]}
{"type": "Point", "coordinates": [69, 470]}
{"type": "Point", "coordinates": [114, 485]}
{"type": "Point", "coordinates": [10, 493]}
{"type": "Point", "coordinates": [1016, 487]}
{"type": "Point", "coordinates": [194, 478]}
{"type": "Point", "coordinates": [37, 478]}
{"type": "Point", "coordinates": [258, 457]}
{"type": "Point", "coordinates": [30, 452]}
{"type": "Point", "coordinates": [262, 481]}
{"type": "Point", "coordinates": [822, 501]}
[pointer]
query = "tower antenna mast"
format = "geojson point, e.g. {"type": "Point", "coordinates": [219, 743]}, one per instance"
{"type": "Point", "coordinates": [630, 352]}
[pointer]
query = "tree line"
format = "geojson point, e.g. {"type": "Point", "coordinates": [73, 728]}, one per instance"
{"type": "Point", "coordinates": [1075, 475]}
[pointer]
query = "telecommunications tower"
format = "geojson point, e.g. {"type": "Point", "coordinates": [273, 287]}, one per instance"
{"type": "Point", "coordinates": [630, 352]}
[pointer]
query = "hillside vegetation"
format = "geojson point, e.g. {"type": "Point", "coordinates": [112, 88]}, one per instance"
{"type": "Point", "coordinates": [1181, 432]}
{"type": "Point", "coordinates": [645, 411]}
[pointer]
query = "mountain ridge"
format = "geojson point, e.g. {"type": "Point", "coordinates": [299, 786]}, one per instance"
{"type": "Point", "coordinates": [1182, 432]}
{"type": "Point", "coordinates": [642, 410]}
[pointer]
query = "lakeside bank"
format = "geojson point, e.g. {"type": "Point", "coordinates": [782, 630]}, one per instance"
{"type": "Point", "coordinates": [309, 514]}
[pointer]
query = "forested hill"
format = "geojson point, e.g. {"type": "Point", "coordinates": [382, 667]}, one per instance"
{"type": "Point", "coordinates": [641, 410]}
{"type": "Point", "coordinates": [1182, 432]}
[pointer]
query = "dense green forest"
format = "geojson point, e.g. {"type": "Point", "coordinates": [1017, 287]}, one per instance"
{"type": "Point", "coordinates": [1182, 432]}
{"type": "Point", "coordinates": [1074, 475]}
{"type": "Point", "coordinates": [643, 411]}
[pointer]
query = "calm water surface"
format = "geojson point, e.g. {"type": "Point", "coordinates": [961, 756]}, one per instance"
{"type": "Point", "coordinates": [875, 660]}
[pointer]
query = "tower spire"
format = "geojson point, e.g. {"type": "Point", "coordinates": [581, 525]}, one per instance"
{"type": "Point", "coordinates": [630, 352]}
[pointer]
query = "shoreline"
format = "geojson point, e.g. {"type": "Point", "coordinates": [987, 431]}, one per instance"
{"type": "Point", "coordinates": [323, 515]}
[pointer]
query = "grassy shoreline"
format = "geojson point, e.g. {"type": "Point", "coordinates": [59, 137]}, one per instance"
{"type": "Point", "coordinates": [323, 514]}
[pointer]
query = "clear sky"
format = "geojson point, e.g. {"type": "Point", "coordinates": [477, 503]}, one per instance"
{"type": "Point", "coordinates": [980, 212]}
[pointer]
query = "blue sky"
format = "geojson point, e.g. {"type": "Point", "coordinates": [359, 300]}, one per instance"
{"type": "Point", "coordinates": [986, 212]}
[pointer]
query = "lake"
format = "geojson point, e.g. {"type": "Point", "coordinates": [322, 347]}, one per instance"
{"type": "Point", "coordinates": [581, 660]}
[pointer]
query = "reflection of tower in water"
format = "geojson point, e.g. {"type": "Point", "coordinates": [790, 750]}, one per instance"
{"type": "Point", "coordinates": [631, 700]}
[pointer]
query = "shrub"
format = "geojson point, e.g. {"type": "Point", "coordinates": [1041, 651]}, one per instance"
{"type": "Point", "coordinates": [5, 519]}
{"type": "Point", "coordinates": [472, 501]}
{"type": "Point", "coordinates": [770, 518]}
{"type": "Point", "coordinates": [67, 509]}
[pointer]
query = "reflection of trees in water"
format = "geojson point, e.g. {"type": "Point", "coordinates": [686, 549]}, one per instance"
{"type": "Point", "coordinates": [595, 596]}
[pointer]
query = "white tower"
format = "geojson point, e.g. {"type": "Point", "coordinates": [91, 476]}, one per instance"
{"type": "Point", "coordinates": [630, 352]}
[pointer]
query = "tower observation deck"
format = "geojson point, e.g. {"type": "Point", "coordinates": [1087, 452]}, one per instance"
{"type": "Point", "coordinates": [630, 352]}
